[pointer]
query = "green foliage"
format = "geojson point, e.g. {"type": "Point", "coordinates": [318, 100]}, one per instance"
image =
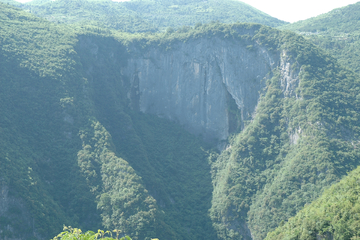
{"type": "Point", "coordinates": [337, 32]}
{"type": "Point", "coordinates": [263, 178]}
{"type": "Point", "coordinates": [34, 153]}
{"type": "Point", "coordinates": [74, 150]}
{"type": "Point", "coordinates": [334, 215]}
{"type": "Point", "coordinates": [123, 201]}
{"type": "Point", "coordinates": [342, 20]}
{"type": "Point", "coordinates": [74, 172]}
{"type": "Point", "coordinates": [174, 13]}
{"type": "Point", "coordinates": [12, 2]}
{"type": "Point", "coordinates": [105, 14]}
{"type": "Point", "coordinates": [172, 163]}
{"type": "Point", "coordinates": [75, 233]}
{"type": "Point", "coordinates": [147, 16]}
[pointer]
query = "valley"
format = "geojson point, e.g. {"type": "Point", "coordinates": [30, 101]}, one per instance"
{"type": "Point", "coordinates": [218, 130]}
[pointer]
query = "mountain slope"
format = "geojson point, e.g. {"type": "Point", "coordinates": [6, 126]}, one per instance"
{"type": "Point", "coordinates": [60, 164]}
{"type": "Point", "coordinates": [107, 14]}
{"type": "Point", "coordinates": [343, 20]}
{"type": "Point", "coordinates": [334, 215]}
{"type": "Point", "coordinates": [12, 2]}
{"type": "Point", "coordinates": [296, 109]}
{"type": "Point", "coordinates": [295, 146]}
{"type": "Point", "coordinates": [32, 82]}
{"type": "Point", "coordinates": [143, 16]}
{"type": "Point", "coordinates": [176, 13]}
{"type": "Point", "coordinates": [92, 125]}
{"type": "Point", "coordinates": [336, 31]}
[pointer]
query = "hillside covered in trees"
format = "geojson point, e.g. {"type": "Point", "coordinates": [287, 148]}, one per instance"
{"type": "Point", "coordinates": [337, 32]}
{"type": "Point", "coordinates": [334, 215]}
{"type": "Point", "coordinates": [216, 131]}
{"type": "Point", "coordinates": [146, 15]}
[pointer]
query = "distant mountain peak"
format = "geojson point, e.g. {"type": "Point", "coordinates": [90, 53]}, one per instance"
{"type": "Point", "coordinates": [147, 15]}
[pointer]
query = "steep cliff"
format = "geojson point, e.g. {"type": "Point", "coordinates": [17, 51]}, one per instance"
{"type": "Point", "coordinates": [93, 121]}
{"type": "Point", "coordinates": [195, 82]}
{"type": "Point", "coordinates": [255, 84]}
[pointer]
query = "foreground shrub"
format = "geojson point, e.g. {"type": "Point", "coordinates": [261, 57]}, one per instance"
{"type": "Point", "coordinates": [70, 233]}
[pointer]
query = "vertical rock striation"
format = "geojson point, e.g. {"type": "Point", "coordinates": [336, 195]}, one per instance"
{"type": "Point", "coordinates": [191, 84]}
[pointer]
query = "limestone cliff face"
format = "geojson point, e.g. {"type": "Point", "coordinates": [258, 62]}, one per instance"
{"type": "Point", "coordinates": [209, 85]}
{"type": "Point", "coordinates": [289, 79]}
{"type": "Point", "coordinates": [194, 82]}
{"type": "Point", "coordinates": [197, 83]}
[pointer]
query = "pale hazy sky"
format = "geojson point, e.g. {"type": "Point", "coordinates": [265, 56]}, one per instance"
{"type": "Point", "coordinates": [291, 10]}
{"type": "Point", "coordinates": [295, 10]}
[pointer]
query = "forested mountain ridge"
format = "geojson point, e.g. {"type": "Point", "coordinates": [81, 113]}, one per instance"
{"type": "Point", "coordinates": [336, 31]}
{"type": "Point", "coordinates": [343, 20]}
{"type": "Point", "coordinates": [82, 142]}
{"type": "Point", "coordinates": [12, 2]}
{"type": "Point", "coordinates": [147, 15]}
{"type": "Point", "coordinates": [51, 137]}
{"type": "Point", "coordinates": [334, 215]}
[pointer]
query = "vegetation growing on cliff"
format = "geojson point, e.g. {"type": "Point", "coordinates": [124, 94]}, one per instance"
{"type": "Point", "coordinates": [77, 171]}
{"type": "Point", "coordinates": [337, 32]}
{"type": "Point", "coordinates": [334, 215]}
{"type": "Point", "coordinates": [264, 177]}
{"type": "Point", "coordinates": [76, 151]}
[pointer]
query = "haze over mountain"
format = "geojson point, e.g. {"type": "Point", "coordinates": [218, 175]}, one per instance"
{"type": "Point", "coordinates": [216, 131]}
{"type": "Point", "coordinates": [148, 15]}
{"type": "Point", "coordinates": [337, 32]}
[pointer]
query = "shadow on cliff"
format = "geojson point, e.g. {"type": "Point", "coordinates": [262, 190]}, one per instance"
{"type": "Point", "coordinates": [40, 183]}
{"type": "Point", "coordinates": [172, 163]}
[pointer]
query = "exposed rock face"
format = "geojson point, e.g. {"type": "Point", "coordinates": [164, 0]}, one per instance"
{"type": "Point", "coordinates": [289, 75]}
{"type": "Point", "coordinates": [191, 83]}
{"type": "Point", "coordinates": [195, 82]}
{"type": "Point", "coordinates": [200, 84]}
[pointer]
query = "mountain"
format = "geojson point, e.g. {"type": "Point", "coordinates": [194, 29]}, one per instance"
{"type": "Point", "coordinates": [343, 20]}
{"type": "Point", "coordinates": [176, 13]}
{"type": "Point", "coordinates": [334, 215]}
{"type": "Point", "coordinates": [61, 166]}
{"type": "Point", "coordinates": [106, 14]}
{"type": "Point", "coordinates": [336, 31]}
{"type": "Point", "coordinates": [218, 131]}
{"type": "Point", "coordinates": [147, 15]}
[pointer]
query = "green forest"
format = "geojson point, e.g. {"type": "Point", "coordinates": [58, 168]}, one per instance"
{"type": "Point", "coordinates": [335, 213]}
{"type": "Point", "coordinates": [76, 148]}
{"type": "Point", "coordinates": [337, 32]}
{"type": "Point", "coordinates": [146, 15]}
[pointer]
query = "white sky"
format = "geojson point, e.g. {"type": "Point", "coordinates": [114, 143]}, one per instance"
{"type": "Point", "coordinates": [290, 10]}
{"type": "Point", "coordinates": [295, 10]}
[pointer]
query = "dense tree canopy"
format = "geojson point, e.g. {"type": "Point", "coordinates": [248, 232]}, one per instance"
{"type": "Point", "coordinates": [75, 151]}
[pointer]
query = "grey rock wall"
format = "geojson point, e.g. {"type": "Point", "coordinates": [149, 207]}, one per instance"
{"type": "Point", "coordinates": [196, 82]}
{"type": "Point", "coordinates": [190, 83]}
{"type": "Point", "coordinates": [289, 75]}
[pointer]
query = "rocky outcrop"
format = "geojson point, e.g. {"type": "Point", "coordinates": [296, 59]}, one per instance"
{"type": "Point", "coordinates": [289, 75]}
{"type": "Point", "coordinates": [200, 83]}
{"type": "Point", "coordinates": [194, 83]}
